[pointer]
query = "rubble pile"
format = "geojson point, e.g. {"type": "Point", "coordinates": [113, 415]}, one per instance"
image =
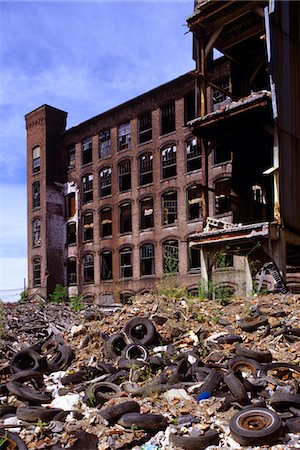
{"type": "Point", "coordinates": [160, 373]}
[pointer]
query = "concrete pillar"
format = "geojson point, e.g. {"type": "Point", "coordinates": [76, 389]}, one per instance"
{"type": "Point", "coordinates": [248, 276]}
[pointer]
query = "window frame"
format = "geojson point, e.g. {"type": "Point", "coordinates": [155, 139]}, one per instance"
{"type": "Point", "coordinates": [145, 127]}
{"type": "Point", "coordinates": [122, 229]}
{"type": "Point", "coordinates": [145, 260]}
{"type": "Point", "coordinates": [36, 159]}
{"type": "Point", "coordinates": [88, 226]}
{"type": "Point", "coordinates": [87, 188]}
{"type": "Point", "coordinates": [109, 275]}
{"type": "Point", "coordinates": [168, 156]}
{"type": "Point", "coordinates": [193, 217]}
{"type": "Point", "coordinates": [36, 233]}
{"type": "Point", "coordinates": [87, 268]}
{"type": "Point", "coordinates": [87, 151]}
{"type": "Point", "coordinates": [124, 175]}
{"type": "Point", "coordinates": [105, 182]}
{"type": "Point", "coordinates": [169, 217]}
{"type": "Point", "coordinates": [145, 162]}
{"type": "Point", "coordinates": [105, 146]}
{"type": "Point", "coordinates": [127, 250]}
{"type": "Point", "coordinates": [124, 136]}
{"type": "Point", "coordinates": [220, 196]}
{"type": "Point", "coordinates": [142, 216]}
{"type": "Point", "coordinates": [168, 118]}
{"type": "Point", "coordinates": [71, 157]}
{"type": "Point", "coordinates": [102, 210]}
{"type": "Point", "coordinates": [69, 234]}
{"type": "Point", "coordinates": [71, 281]}
{"type": "Point", "coordinates": [176, 264]}
{"type": "Point", "coordinates": [36, 195]}
{"type": "Point", "coordinates": [36, 269]}
{"type": "Point", "coordinates": [193, 155]}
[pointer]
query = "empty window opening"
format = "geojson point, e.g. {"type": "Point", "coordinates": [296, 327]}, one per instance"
{"type": "Point", "coordinates": [223, 261]}
{"type": "Point", "coordinates": [221, 154]}
{"type": "Point", "coordinates": [105, 182]}
{"type": "Point", "coordinates": [124, 136]}
{"type": "Point", "coordinates": [168, 162]}
{"type": "Point", "coordinates": [168, 117]}
{"type": "Point", "coordinates": [124, 176]}
{"type": "Point", "coordinates": [87, 188]}
{"type": "Point", "coordinates": [104, 144]}
{"type": "Point", "coordinates": [88, 227]}
{"type": "Point", "coordinates": [71, 271]}
{"type": "Point", "coordinates": [71, 157]}
{"type": "Point", "coordinates": [71, 233]}
{"type": "Point", "coordinates": [88, 269]}
{"type": "Point", "coordinates": [106, 265]}
{"type": "Point", "coordinates": [194, 203]}
{"type": "Point", "coordinates": [146, 213]}
{"type": "Point", "coordinates": [36, 197]}
{"type": "Point", "coordinates": [105, 222]}
{"type": "Point", "coordinates": [87, 151]}
{"type": "Point", "coordinates": [193, 155]}
{"type": "Point", "coordinates": [194, 259]}
{"type": "Point", "coordinates": [189, 106]}
{"type": "Point", "coordinates": [170, 257]}
{"type": "Point", "coordinates": [125, 218]}
{"type": "Point", "coordinates": [145, 127]}
{"type": "Point", "coordinates": [126, 263]}
{"type": "Point", "coordinates": [146, 169]}
{"type": "Point", "coordinates": [219, 96]}
{"type": "Point", "coordinates": [36, 272]}
{"type": "Point", "coordinates": [126, 297]}
{"type": "Point", "coordinates": [36, 159]}
{"type": "Point", "coordinates": [258, 194]}
{"type": "Point", "coordinates": [36, 232]}
{"type": "Point", "coordinates": [169, 208]}
{"type": "Point", "coordinates": [70, 205]}
{"type": "Point", "coordinates": [147, 259]}
{"type": "Point", "coordinates": [222, 196]}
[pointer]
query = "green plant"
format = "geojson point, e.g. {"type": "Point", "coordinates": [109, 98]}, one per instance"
{"type": "Point", "coordinates": [205, 290]}
{"type": "Point", "coordinates": [223, 295]}
{"type": "Point", "coordinates": [168, 286]}
{"type": "Point", "coordinates": [3, 439]}
{"type": "Point", "coordinates": [23, 296]}
{"type": "Point", "coordinates": [76, 303]}
{"type": "Point", "coordinates": [41, 424]}
{"type": "Point", "coordinates": [2, 320]}
{"type": "Point", "coordinates": [59, 294]}
{"type": "Point", "coordinates": [133, 427]}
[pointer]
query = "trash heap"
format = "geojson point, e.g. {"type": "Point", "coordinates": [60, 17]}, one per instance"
{"type": "Point", "coordinates": [160, 373]}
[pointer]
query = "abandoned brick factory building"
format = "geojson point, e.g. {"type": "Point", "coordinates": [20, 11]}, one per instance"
{"type": "Point", "coordinates": [199, 177]}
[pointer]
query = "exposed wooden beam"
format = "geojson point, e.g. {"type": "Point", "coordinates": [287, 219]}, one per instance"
{"type": "Point", "coordinates": [212, 41]}
{"type": "Point", "coordinates": [224, 91]}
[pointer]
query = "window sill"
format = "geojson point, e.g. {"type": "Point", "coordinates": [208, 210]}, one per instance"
{"type": "Point", "coordinates": [193, 171]}
{"type": "Point", "coordinates": [35, 173]}
{"type": "Point", "coordinates": [194, 271]}
{"type": "Point", "coordinates": [145, 143]}
{"type": "Point", "coordinates": [90, 163]}
{"type": "Point", "coordinates": [169, 225]}
{"type": "Point", "coordinates": [90, 241]}
{"type": "Point", "coordinates": [124, 192]}
{"type": "Point", "coordinates": [169, 178]}
{"type": "Point", "coordinates": [106, 237]}
{"type": "Point", "coordinates": [146, 230]}
{"type": "Point", "coordinates": [72, 244]}
{"type": "Point", "coordinates": [126, 279]}
{"type": "Point", "coordinates": [141, 186]}
{"type": "Point", "coordinates": [162, 136]}
{"type": "Point", "coordinates": [105, 196]}
{"type": "Point", "coordinates": [88, 283]}
{"type": "Point", "coordinates": [104, 157]}
{"type": "Point", "coordinates": [107, 281]}
{"type": "Point", "coordinates": [36, 208]}
{"type": "Point", "coordinates": [36, 246]}
{"type": "Point", "coordinates": [224, 269]}
{"type": "Point", "coordinates": [197, 220]}
{"type": "Point", "coordinates": [71, 170]}
{"type": "Point", "coordinates": [144, 277]}
{"type": "Point", "coordinates": [126, 233]}
{"type": "Point", "coordinates": [222, 163]}
{"type": "Point", "coordinates": [123, 150]}
{"type": "Point", "coordinates": [72, 285]}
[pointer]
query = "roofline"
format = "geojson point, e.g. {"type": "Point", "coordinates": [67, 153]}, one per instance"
{"type": "Point", "coordinates": [128, 102]}
{"type": "Point", "coordinates": [45, 106]}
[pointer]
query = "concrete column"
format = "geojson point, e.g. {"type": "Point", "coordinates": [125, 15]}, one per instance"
{"type": "Point", "coordinates": [248, 276]}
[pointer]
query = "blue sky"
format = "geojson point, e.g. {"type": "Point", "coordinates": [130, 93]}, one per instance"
{"type": "Point", "coordinates": [84, 58]}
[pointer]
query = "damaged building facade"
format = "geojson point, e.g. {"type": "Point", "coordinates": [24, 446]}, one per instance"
{"type": "Point", "coordinates": [197, 177]}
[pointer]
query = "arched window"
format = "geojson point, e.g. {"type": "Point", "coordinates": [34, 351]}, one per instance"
{"type": "Point", "coordinates": [36, 196]}
{"type": "Point", "coordinates": [36, 159]}
{"type": "Point", "coordinates": [71, 233]}
{"type": "Point", "coordinates": [125, 225]}
{"type": "Point", "coordinates": [71, 157]}
{"type": "Point", "coordinates": [168, 162]}
{"type": "Point", "coordinates": [169, 208]}
{"type": "Point", "coordinates": [145, 169]}
{"type": "Point", "coordinates": [87, 151]}
{"type": "Point", "coordinates": [88, 269]}
{"type": "Point", "coordinates": [36, 232]}
{"type": "Point", "coordinates": [105, 181]}
{"type": "Point", "coordinates": [87, 188]}
{"type": "Point", "coordinates": [88, 226]}
{"type": "Point", "coordinates": [106, 265]}
{"type": "Point", "coordinates": [147, 259]}
{"type": "Point", "coordinates": [105, 222]}
{"type": "Point", "coordinates": [146, 213]}
{"type": "Point", "coordinates": [126, 262]}
{"type": "Point", "coordinates": [222, 196]}
{"type": "Point", "coordinates": [71, 271]}
{"type": "Point", "coordinates": [124, 168]}
{"type": "Point", "coordinates": [104, 144]}
{"type": "Point", "coordinates": [194, 205]}
{"type": "Point", "coordinates": [258, 194]}
{"type": "Point", "coordinates": [193, 155]}
{"type": "Point", "coordinates": [36, 272]}
{"type": "Point", "coordinates": [170, 257]}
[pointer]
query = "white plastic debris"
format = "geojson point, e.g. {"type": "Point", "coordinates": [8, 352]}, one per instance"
{"type": "Point", "coordinates": [76, 330]}
{"type": "Point", "coordinates": [178, 394]}
{"type": "Point", "coordinates": [13, 421]}
{"type": "Point", "coordinates": [66, 402]}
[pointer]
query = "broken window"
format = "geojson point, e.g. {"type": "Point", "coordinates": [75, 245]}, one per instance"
{"type": "Point", "coordinates": [168, 162]}
{"type": "Point", "coordinates": [88, 227]}
{"type": "Point", "coordinates": [194, 203]}
{"type": "Point", "coordinates": [167, 117]}
{"type": "Point", "coordinates": [71, 157]}
{"type": "Point", "coordinates": [170, 257]}
{"type": "Point", "coordinates": [36, 232]}
{"type": "Point", "coordinates": [222, 196]}
{"type": "Point", "coordinates": [105, 182]}
{"type": "Point", "coordinates": [223, 260]}
{"type": "Point", "coordinates": [193, 155]}
{"type": "Point", "coordinates": [221, 154]}
{"type": "Point", "coordinates": [87, 151]}
{"type": "Point", "coordinates": [217, 95]}
{"type": "Point", "coordinates": [189, 106]}
{"type": "Point", "coordinates": [258, 194]}
{"type": "Point", "coordinates": [147, 259]}
{"type": "Point", "coordinates": [194, 258]}
{"type": "Point", "coordinates": [70, 205]}
{"type": "Point", "coordinates": [146, 213]}
{"type": "Point", "coordinates": [124, 176]}
{"type": "Point", "coordinates": [36, 272]}
{"type": "Point", "coordinates": [88, 268]}
{"type": "Point", "coordinates": [124, 136]}
{"type": "Point", "coordinates": [125, 218]}
{"type": "Point", "coordinates": [36, 198]}
{"type": "Point", "coordinates": [87, 188]}
{"type": "Point", "coordinates": [71, 271]}
{"type": "Point", "coordinates": [71, 233]}
{"type": "Point", "coordinates": [145, 127]}
{"type": "Point", "coordinates": [146, 169]}
{"type": "Point", "coordinates": [169, 208]}
{"type": "Point", "coordinates": [105, 222]}
{"type": "Point", "coordinates": [36, 159]}
{"type": "Point", "coordinates": [106, 265]}
{"type": "Point", "coordinates": [104, 144]}
{"type": "Point", "coordinates": [126, 262]}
